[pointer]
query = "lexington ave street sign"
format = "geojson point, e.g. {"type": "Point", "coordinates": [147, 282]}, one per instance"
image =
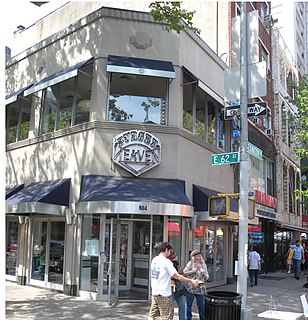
{"type": "Point", "coordinates": [254, 110]}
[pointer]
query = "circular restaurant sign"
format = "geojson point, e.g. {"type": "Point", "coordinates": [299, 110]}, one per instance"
{"type": "Point", "coordinates": [136, 151]}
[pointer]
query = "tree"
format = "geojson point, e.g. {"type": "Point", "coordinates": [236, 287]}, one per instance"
{"type": "Point", "coordinates": [173, 16]}
{"type": "Point", "coordinates": [299, 127]}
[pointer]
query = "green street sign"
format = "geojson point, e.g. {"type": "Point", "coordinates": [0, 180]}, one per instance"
{"type": "Point", "coordinates": [225, 158]}
{"type": "Point", "coordinates": [254, 151]}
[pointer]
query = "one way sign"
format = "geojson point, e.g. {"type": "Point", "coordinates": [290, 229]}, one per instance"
{"type": "Point", "coordinates": [254, 110]}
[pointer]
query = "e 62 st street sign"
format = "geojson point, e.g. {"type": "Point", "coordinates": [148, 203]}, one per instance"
{"type": "Point", "coordinates": [254, 110]}
{"type": "Point", "coordinates": [225, 158]}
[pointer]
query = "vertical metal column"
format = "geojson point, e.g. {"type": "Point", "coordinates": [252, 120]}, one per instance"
{"type": "Point", "coordinates": [243, 209]}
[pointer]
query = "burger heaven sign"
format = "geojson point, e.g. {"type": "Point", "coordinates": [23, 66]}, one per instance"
{"type": "Point", "coordinates": [136, 151]}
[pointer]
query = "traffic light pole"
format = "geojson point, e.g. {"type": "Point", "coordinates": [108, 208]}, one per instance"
{"type": "Point", "coordinates": [243, 209]}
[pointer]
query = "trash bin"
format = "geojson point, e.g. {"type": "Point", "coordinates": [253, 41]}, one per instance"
{"type": "Point", "coordinates": [223, 305]}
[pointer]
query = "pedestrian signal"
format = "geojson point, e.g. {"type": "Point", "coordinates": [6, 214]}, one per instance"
{"type": "Point", "coordinates": [219, 206]}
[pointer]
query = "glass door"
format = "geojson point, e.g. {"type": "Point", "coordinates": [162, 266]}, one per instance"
{"type": "Point", "coordinates": [47, 256]}
{"type": "Point", "coordinates": [112, 249]}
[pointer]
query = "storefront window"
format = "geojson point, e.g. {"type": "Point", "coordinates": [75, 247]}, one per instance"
{"type": "Point", "coordinates": [39, 250]}
{"type": "Point", "coordinates": [11, 247]}
{"type": "Point", "coordinates": [158, 227]}
{"type": "Point", "coordinates": [90, 252]}
{"type": "Point", "coordinates": [174, 234]}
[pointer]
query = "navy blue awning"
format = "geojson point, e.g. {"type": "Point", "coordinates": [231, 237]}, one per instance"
{"type": "Point", "coordinates": [201, 195]}
{"type": "Point", "coordinates": [133, 195]}
{"type": "Point", "coordinates": [28, 199]}
{"type": "Point", "coordinates": [14, 96]}
{"type": "Point", "coordinates": [204, 86]}
{"type": "Point", "coordinates": [57, 77]}
{"type": "Point", "coordinates": [143, 67]}
{"type": "Point", "coordinates": [9, 191]}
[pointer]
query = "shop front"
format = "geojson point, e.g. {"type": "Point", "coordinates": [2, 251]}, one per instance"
{"type": "Point", "coordinates": [123, 221]}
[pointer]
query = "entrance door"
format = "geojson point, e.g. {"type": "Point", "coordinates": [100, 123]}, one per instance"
{"type": "Point", "coordinates": [124, 260]}
{"type": "Point", "coordinates": [47, 262]}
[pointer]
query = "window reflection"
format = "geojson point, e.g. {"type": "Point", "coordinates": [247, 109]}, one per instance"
{"type": "Point", "coordinates": [137, 99]}
{"type": "Point", "coordinates": [174, 234]}
{"type": "Point", "coordinates": [11, 247]}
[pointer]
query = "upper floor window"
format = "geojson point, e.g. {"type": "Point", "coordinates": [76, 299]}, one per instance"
{"type": "Point", "coordinates": [67, 103]}
{"type": "Point", "coordinates": [265, 57]}
{"type": "Point", "coordinates": [264, 11]}
{"type": "Point", "coordinates": [18, 114]}
{"type": "Point", "coordinates": [135, 98]}
{"type": "Point", "coordinates": [202, 115]}
{"type": "Point", "coordinates": [138, 90]}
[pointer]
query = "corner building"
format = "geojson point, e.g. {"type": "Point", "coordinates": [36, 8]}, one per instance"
{"type": "Point", "coordinates": [111, 123]}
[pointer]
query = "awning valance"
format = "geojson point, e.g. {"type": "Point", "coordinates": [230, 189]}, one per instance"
{"type": "Point", "coordinates": [57, 77]}
{"type": "Point", "coordinates": [143, 67]}
{"type": "Point", "coordinates": [10, 190]}
{"type": "Point", "coordinates": [49, 197]}
{"type": "Point", "coordinates": [133, 196]}
{"type": "Point", "coordinates": [10, 98]}
{"type": "Point", "coordinates": [204, 86]}
{"type": "Point", "coordinates": [201, 195]}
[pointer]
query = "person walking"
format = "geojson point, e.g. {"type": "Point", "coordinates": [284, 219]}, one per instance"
{"type": "Point", "coordinates": [289, 257]}
{"type": "Point", "coordinates": [298, 257]}
{"type": "Point", "coordinates": [162, 270]}
{"type": "Point", "coordinates": [178, 288]}
{"type": "Point", "coordinates": [196, 269]}
{"type": "Point", "coordinates": [254, 262]}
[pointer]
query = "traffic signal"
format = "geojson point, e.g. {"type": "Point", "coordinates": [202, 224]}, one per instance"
{"type": "Point", "coordinates": [219, 206]}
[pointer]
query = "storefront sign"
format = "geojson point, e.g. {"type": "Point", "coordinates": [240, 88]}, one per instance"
{"type": "Point", "coordinates": [136, 151]}
{"type": "Point", "coordinates": [265, 212]}
{"type": "Point", "coordinates": [265, 199]}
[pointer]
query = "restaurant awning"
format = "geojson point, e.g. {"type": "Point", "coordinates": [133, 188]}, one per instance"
{"type": "Point", "coordinates": [204, 86]}
{"type": "Point", "coordinates": [57, 77]}
{"type": "Point", "coordinates": [10, 190]}
{"type": "Point", "coordinates": [133, 196]}
{"type": "Point", "coordinates": [10, 98]}
{"type": "Point", "coordinates": [49, 197]}
{"type": "Point", "coordinates": [201, 195]}
{"type": "Point", "coordinates": [143, 67]}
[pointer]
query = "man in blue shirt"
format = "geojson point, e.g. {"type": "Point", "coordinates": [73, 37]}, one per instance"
{"type": "Point", "coordinates": [298, 256]}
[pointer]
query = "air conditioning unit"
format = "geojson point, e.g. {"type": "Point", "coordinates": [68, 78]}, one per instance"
{"type": "Point", "coordinates": [268, 21]}
{"type": "Point", "coordinates": [257, 121]}
{"type": "Point", "coordinates": [270, 132]}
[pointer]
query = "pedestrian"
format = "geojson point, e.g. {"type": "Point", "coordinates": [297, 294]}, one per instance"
{"type": "Point", "coordinates": [289, 257]}
{"type": "Point", "coordinates": [298, 258]}
{"type": "Point", "coordinates": [303, 263]}
{"type": "Point", "coordinates": [178, 288]}
{"type": "Point", "coordinates": [306, 258]}
{"type": "Point", "coordinates": [196, 269]}
{"type": "Point", "coordinates": [254, 263]}
{"type": "Point", "coordinates": [162, 270]}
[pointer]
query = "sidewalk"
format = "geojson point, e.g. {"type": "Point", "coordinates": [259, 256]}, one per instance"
{"type": "Point", "coordinates": [27, 302]}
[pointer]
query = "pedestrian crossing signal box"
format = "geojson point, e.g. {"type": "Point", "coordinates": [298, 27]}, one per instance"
{"type": "Point", "coordinates": [219, 206]}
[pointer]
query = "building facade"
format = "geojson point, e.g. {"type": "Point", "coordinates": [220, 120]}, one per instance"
{"type": "Point", "coordinates": [111, 125]}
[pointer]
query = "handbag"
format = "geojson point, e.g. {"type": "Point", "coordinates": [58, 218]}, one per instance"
{"type": "Point", "coordinates": [180, 289]}
{"type": "Point", "coordinates": [290, 256]}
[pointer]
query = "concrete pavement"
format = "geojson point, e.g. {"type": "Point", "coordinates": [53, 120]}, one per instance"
{"type": "Point", "coordinates": [27, 302]}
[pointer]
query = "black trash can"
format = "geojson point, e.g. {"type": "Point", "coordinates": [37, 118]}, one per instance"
{"type": "Point", "coordinates": [223, 305]}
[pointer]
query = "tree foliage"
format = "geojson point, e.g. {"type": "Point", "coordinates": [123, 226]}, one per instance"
{"type": "Point", "coordinates": [299, 127]}
{"type": "Point", "coordinates": [173, 16]}
{"type": "Point", "coordinates": [299, 121]}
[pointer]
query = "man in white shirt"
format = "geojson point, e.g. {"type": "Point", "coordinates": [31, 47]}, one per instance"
{"type": "Point", "coordinates": [162, 270]}
{"type": "Point", "coordinates": [254, 261]}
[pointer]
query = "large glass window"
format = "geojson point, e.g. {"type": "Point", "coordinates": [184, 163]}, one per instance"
{"type": "Point", "coordinates": [18, 119]}
{"type": "Point", "coordinates": [11, 247]}
{"type": "Point", "coordinates": [134, 98]}
{"type": "Point", "coordinates": [67, 103]}
{"type": "Point", "coordinates": [211, 124]}
{"type": "Point", "coordinates": [90, 252]}
{"type": "Point", "coordinates": [174, 234]}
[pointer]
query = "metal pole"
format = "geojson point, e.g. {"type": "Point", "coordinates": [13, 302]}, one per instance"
{"type": "Point", "coordinates": [243, 209]}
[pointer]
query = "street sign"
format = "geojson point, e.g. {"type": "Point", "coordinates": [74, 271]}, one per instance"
{"type": "Point", "coordinates": [254, 110]}
{"type": "Point", "coordinates": [254, 151]}
{"type": "Point", "coordinates": [225, 158]}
